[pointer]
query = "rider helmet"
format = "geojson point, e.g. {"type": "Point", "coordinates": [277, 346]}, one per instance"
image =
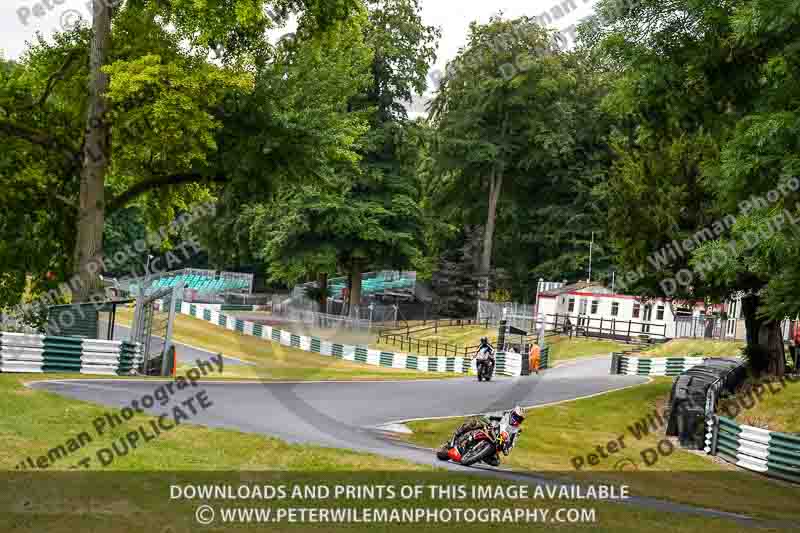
{"type": "Point", "coordinates": [484, 340]}
{"type": "Point", "coordinates": [517, 416]}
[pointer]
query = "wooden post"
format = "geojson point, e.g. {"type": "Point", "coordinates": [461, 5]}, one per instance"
{"type": "Point", "coordinates": [601, 327]}
{"type": "Point", "coordinates": [629, 331]}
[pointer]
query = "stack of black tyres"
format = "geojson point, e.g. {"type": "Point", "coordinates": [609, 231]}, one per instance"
{"type": "Point", "coordinates": [687, 412]}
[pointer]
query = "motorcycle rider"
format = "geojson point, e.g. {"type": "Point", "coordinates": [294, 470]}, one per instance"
{"type": "Point", "coordinates": [509, 422]}
{"type": "Point", "coordinates": [487, 348]}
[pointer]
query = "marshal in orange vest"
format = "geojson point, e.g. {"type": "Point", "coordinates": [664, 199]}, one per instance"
{"type": "Point", "coordinates": [535, 358]}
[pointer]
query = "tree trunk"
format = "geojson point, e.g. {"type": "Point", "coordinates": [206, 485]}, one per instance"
{"type": "Point", "coordinates": [355, 288]}
{"type": "Point", "coordinates": [322, 281]}
{"type": "Point", "coordinates": [774, 344]}
{"type": "Point", "coordinates": [495, 186]}
{"type": "Point", "coordinates": [96, 152]}
{"type": "Point", "coordinates": [765, 349]}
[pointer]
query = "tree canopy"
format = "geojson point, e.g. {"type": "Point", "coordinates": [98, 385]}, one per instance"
{"type": "Point", "coordinates": [670, 134]}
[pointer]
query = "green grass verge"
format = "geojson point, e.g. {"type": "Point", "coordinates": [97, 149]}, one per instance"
{"type": "Point", "coordinates": [199, 333]}
{"type": "Point", "coordinates": [698, 347]}
{"type": "Point", "coordinates": [563, 348]}
{"type": "Point", "coordinates": [776, 406]}
{"type": "Point", "coordinates": [557, 434]}
{"type": "Point", "coordinates": [276, 362]}
{"type": "Point", "coordinates": [463, 337]}
{"type": "Point", "coordinates": [34, 421]}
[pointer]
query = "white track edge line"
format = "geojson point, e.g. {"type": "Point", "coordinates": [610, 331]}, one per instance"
{"type": "Point", "coordinates": [538, 406]}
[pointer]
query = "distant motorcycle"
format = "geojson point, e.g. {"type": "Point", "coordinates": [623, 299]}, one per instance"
{"type": "Point", "coordinates": [474, 446]}
{"type": "Point", "coordinates": [484, 365]}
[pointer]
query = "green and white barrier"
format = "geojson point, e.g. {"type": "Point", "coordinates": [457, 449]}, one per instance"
{"type": "Point", "coordinates": [654, 366]}
{"type": "Point", "coordinates": [544, 358]}
{"type": "Point", "coordinates": [508, 364]}
{"type": "Point", "coordinates": [42, 353]}
{"type": "Point", "coordinates": [759, 450]}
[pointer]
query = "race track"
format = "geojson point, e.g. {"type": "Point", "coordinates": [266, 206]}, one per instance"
{"type": "Point", "coordinates": [345, 414]}
{"type": "Point", "coordinates": [348, 414]}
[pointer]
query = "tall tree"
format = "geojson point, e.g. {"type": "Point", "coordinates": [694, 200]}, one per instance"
{"type": "Point", "coordinates": [366, 213]}
{"type": "Point", "coordinates": [96, 156]}
{"type": "Point", "coordinates": [126, 41]}
{"type": "Point", "coordinates": [403, 52]}
{"type": "Point", "coordinates": [705, 122]}
{"type": "Point", "coordinates": [503, 121]}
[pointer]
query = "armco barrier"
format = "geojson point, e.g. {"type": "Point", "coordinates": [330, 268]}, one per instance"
{"type": "Point", "coordinates": [41, 353]}
{"type": "Point", "coordinates": [508, 364]}
{"type": "Point", "coordinates": [652, 366]}
{"type": "Point", "coordinates": [767, 452]}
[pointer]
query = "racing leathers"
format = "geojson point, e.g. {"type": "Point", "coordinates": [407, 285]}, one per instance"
{"type": "Point", "coordinates": [485, 350]}
{"type": "Point", "coordinates": [501, 422]}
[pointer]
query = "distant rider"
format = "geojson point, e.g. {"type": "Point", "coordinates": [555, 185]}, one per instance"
{"type": "Point", "coordinates": [485, 347]}
{"type": "Point", "coordinates": [509, 422]}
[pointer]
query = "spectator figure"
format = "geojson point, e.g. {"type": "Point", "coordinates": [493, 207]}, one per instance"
{"type": "Point", "coordinates": [568, 327]}
{"type": "Point", "coordinates": [794, 347]}
{"type": "Point", "coordinates": [535, 358]}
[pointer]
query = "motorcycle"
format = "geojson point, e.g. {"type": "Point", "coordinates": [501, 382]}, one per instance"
{"type": "Point", "coordinates": [474, 446]}
{"type": "Point", "coordinates": [484, 366]}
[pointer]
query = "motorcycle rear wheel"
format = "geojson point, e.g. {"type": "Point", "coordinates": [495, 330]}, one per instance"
{"type": "Point", "coordinates": [477, 453]}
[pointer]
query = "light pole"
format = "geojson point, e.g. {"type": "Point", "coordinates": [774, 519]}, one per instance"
{"type": "Point", "coordinates": [591, 245]}
{"type": "Point", "coordinates": [147, 273]}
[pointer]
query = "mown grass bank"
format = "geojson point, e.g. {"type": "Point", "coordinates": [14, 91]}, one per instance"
{"type": "Point", "coordinates": [617, 436]}
{"type": "Point", "coordinates": [272, 361]}
{"type": "Point", "coordinates": [134, 493]}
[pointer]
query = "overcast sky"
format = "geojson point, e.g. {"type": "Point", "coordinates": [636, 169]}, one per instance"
{"type": "Point", "coordinates": [21, 19]}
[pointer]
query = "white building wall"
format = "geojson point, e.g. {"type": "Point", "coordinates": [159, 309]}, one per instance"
{"type": "Point", "coordinates": [602, 314]}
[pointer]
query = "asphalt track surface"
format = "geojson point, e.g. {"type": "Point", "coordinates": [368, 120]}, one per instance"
{"type": "Point", "coordinates": [349, 414]}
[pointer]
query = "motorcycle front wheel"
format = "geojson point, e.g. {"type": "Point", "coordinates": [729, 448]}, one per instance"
{"type": "Point", "coordinates": [478, 453]}
{"type": "Point", "coordinates": [442, 454]}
